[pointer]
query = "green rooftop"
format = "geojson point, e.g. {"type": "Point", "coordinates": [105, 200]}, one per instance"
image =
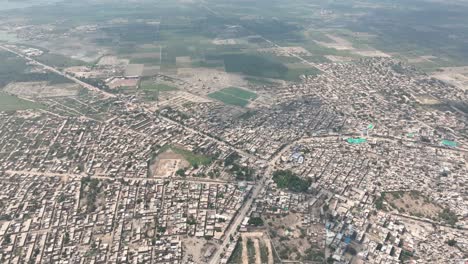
{"type": "Point", "coordinates": [449, 143]}
{"type": "Point", "coordinates": [356, 140]}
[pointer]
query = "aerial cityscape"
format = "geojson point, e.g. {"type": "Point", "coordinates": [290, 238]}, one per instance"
{"type": "Point", "coordinates": [240, 132]}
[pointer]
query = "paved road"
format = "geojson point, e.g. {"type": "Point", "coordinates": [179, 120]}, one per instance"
{"type": "Point", "coordinates": [216, 257]}
{"type": "Point", "coordinates": [73, 175]}
{"type": "Point", "coordinates": [52, 69]}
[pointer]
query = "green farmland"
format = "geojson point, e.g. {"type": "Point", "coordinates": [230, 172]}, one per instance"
{"type": "Point", "coordinates": [13, 103]}
{"type": "Point", "coordinates": [234, 96]}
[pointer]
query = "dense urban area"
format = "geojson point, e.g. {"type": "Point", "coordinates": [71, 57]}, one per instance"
{"type": "Point", "coordinates": [354, 155]}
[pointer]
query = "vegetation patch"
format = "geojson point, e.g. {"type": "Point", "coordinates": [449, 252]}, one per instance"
{"type": "Point", "coordinates": [194, 159]}
{"type": "Point", "coordinates": [286, 179]}
{"type": "Point", "coordinates": [413, 203]}
{"type": "Point", "coordinates": [251, 250]}
{"type": "Point", "coordinates": [59, 60]}
{"type": "Point", "coordinates": [234, 96]}
{"type": "Point", "coordinates": [236, 256]}
{"type": "Point", "coordinates": [13, 103]}
{"type": "Point", "coordinates": [15, 69]}
{"type": "Point", "coordinates": [149, 85]}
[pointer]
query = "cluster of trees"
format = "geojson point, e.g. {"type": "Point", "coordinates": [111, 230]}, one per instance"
{"type": "Point", "coordinates": [256, 221]}
{"type": "Point", "coordinates": [91, 194]}
{"type": "Point", "coordinates": [14, 69]}
{"type": "Point", "coordinates": [97, 83]}
{"type": "Point", "coordinates": [448, 216]}
{"type": "Point", "coordinates": [242, 173]}
{"type": "Point", "coordinates": [286, 179]}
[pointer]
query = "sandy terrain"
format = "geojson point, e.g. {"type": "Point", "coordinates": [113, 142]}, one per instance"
{"type": "Point", "coordinates": [204, 81]}
{"type": "Point", "coordinates": [224, 41]}
{"type": "Point", "coordinates": [41, 89]}
{"type": "Point", "coordinates": [427, 100]}
{"type": "Point", "coordinates": [167, 164]}
{"type": "Point", "coordinates": [340, 43]}
{"type": "Point", "coordinates": [338, 58]}
{"type": "Point", "coordinates": [422, 59]}
{"type": "Point", "coordinates": [413, 204]}
{"type": "Point", "coordinates": [258, 259]}
{"type": "Point", "coordinates": [184, 61]}
{"type": "Point", "coordinates": [121, 82]}
{"type": "Point", "coordinates": [288, 227]}
{"type": "Point", "coordinates": [371, 53]}
{"type": "Point", "coordinates": [457, 76]}
{"type": "Point", "coordinates": [287, 51]}
{"type": "Point", "coordinates": [196, 248]}
{"type": "Point", "coordinates": [134, 69]}
{"type": "Point", "coordinates": [257, 238]}
{"type": "Point", "coordinates": [112, 60]}
{"type": "Point", "coordinates": [151, 55]}
{"type": "Point", "coordinates": [176, 99]}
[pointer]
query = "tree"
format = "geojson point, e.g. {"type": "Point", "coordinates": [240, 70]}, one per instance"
{"type": "Point", "coordinates": [66, 238]}
{"type": "Point", "coordinates": [452, 242]}
{"type": "Point", "coordinates": [180, 172]}
{"type": "Point", "coordinates": [7, 239]}
{"type": "Point", "coordinates": [256, 221]}
{"type": "Point", "coordinates": [286, 179]}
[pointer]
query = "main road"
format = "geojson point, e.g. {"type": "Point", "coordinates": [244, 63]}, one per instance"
{"type": "Point", "coordinates": [230, 231]}
{"type": "Point", "coordinates": [54, 70]}
{"type": "Point", "coordinates": [243, 211]}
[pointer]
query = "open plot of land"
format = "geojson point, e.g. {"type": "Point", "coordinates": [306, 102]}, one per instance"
{"type": "Point", "coordinates": [206, 80]}
{"type": "Point", "coordinates": [343, 44]}
{"type": "Point", "coordinates": [123, 82]}
{"type": "Point", "coordinates": [197, 248]}
{"type": "Point", "coordinates": [150, 85]}
{"type": "Point", "coordinates": [59, 60]}
{"type": "Point", "coordinates": [256, 248]}
{"type": "Point", "coordinates": [413, 203]}
{"type": "Point", "coordinates": [287, 51]}
{"type": "Point", "coordinates": [151, 70]}
{"type": "Point", "coordinates": [112, 60]}
{"type": "Point", "coordinates": [42, 89]}
{"type": "Point", "coordinates": [167, 163]}
{"type": "Point", "coordinates": [183, 61]}
{"type": "Point", "coordinates": [13, 103]}
{"type": "Point", "coordinates": [134, 69]}
{"type": "Point", "coordinates": [192, 158]}
{"type": "Point", "coordinates": [234, 96]}
{"type": "Point", "coordinates": [177, 99]}
{"type": "Point", "coordinates": [289, 240]}
{"type": "Point", "coordinates": [457, 76]}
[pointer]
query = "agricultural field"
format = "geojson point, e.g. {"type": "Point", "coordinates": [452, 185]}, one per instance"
{"type": "Point", "coordinates": [194, 159]}
{"type": "Point", "coordinates": [234, 96]}
{"type": "Point", "coordinates": [14, 69]}
{"type": "Point", "coordinates": [152, 90]}
{"type": "Point", "coordinates": [150, 85]}
{"type": "Point", "coordinates": [13, 103]}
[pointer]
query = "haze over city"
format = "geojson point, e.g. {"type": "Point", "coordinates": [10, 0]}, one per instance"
{"type": "Point", "coordinates": [243, 132]}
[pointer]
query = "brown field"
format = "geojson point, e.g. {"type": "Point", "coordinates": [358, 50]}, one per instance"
{"type": "Point", "coordinates": [427, 100]}
{"type": "Point", "coordinates": [167, 164]}
{"type": "Point", "coordinates": [457, 76]}
{"type": "Point", "coordinates": [112, 60]}
{"type": "Point", "coordinates": [41, 89]}
{"type": "Point", "coordinates": [413, 203]}
{"type": "Point", "coordinates": [151, 70]}
{"type": "Point", "coordinates": [286, 51]}
{"type": "Point", "coordinates": [134, 69]}
{"type": "Point", "coordinates": [288, 234]}
{"type": "Point", "coordinates": [258, 239]}
{"type": "Point", "coordinates": [121, 82]}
